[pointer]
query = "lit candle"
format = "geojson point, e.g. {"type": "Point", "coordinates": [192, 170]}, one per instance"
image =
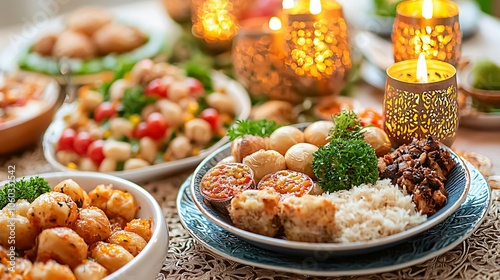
{"type": "Point", "coordinates": [316, 46]}
{"type": "Point", "coordinates": [420, 100]}
{"type": "Point", "coordinates": [258, 60]}
{"type": "Point", "coordinates": [427, 26]}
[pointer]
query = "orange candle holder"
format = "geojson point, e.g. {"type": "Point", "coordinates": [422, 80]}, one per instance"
{"type": "Point", "coordinates": [316, 48]}
{"type": "Point", "coordinates": [414, 109]}
{"type": "Point", "coordinates": [215, 22]}
{"type": "Point", "coordinates": [427, 26]}
{"type": "Point", "coordinates": [258, 61]}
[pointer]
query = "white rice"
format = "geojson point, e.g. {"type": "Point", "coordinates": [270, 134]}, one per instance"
{"type": "Point", "coordinates": [369, 212]}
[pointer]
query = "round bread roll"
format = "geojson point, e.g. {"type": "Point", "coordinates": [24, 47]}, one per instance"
{"type": "Point", "coordinates": [88, 20]}
{"type": "Point", "coordinates": [117, 38]}
{"type": "Point", "coordinates": [300, 157]}
{"type": "Point", "coordinates": [285, 137]}
{"type": "Point", "coordinates": [264, 162]}
{"type": "Point", "coordinates": [378, 139]}
{"type": "Point", "coordinates": [317, 133]}
{"type": "Point", "coordinates": [73, 45]}
{"type": "Point", "coordinates": [45, 44]}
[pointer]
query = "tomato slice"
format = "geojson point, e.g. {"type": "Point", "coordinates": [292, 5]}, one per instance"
{"type": "Point", "coordinates": [141, 130]}
{"type": "Point", "coordinates": [195, 86]}
{"type": "Point", "coordinates": [65, 142]}
{"type": "Point", "coordinates": [158, 88]}
{"type": "Point", "coordinates": [82, 142]}
{"type": "Point", "coordinates": [104, 111]}
{"type": "Point", "coordinates": [156, 125]}
{"type": "Point", "coordinates": [95, 151]}
{"type": "Point", "coordinates": [211, 116]}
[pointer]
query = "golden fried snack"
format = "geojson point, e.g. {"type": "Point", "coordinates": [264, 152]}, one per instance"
{"type": "Point", "coordinates": [117, 38]}
{"type": "Point", "coordinates": [88, 20]}
{"type": "Point", "coordinates": [45, 44]}
{"type": "Point", "coordinates": [73, 45]}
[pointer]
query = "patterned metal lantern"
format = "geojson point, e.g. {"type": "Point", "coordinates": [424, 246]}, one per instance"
{"type": "Point", "coordinates": [316, 46]}
{"type": "Point", "coordinates": [258, 60]}
{"type": "Point", "coordinates": [427, 26]}
{"type": "Point", "coordinates": [421, 102]}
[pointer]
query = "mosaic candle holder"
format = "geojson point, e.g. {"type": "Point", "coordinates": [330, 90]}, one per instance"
{"type": "Point", "coordinates": [215, 22]}
{"type": "Point", "coordinates": [439, 36]}
{"type": "Point", "coordinates": [316, 48]}
{"type": "Point", "coordinates": [414, 109]}
{"type": "Point", "coordinates": [258, 61]}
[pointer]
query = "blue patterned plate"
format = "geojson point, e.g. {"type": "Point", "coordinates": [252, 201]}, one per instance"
{"type": "Point", "coordinates": [433, 242]}
{"type": "Point", "coordinates": [457, 186]}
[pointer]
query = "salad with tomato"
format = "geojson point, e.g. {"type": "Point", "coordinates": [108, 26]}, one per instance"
{"type": "Point", "coordinates": [155, 113]}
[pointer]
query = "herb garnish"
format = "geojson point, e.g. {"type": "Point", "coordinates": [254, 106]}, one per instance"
{"type": "Point", "coordinates": [347, 160]}
{"type": "Point", "coordinates": [134, 101]}
{"type": "Point", "coordinates": [23, 189]}
{"type": "Point", "coordinates": [261, 128]}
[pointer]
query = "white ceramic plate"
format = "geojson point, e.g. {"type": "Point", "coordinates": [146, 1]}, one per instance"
{"type": "Point", "coordinates": [149, 262]}
{"type": "Point", "coordinates": [242, 107]}
{"type": "Point", "coordinates": [457, 186]}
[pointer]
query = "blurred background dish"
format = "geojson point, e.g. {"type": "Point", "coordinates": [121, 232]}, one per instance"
{"type": "Point", "coordinates": [27, 105]}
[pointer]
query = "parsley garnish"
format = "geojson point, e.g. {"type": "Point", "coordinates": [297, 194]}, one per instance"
{"type": "Point", "coordinates": [23, 189]}
{"type": "Point", "coordinates": [134, 101]}
{"type": "Point", "coordinates": [261, 128]}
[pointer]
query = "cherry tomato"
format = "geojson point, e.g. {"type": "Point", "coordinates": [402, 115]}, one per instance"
{"type": "Point", "coordinates": [211, 116]}
{"type": "Point", "coordinates": [141, 130]}
{"type": "Point", "coordinates": [95, 152]}
{"type": "Point", "coordinates": [82, 142]}
{"type": "Point", "coordinates": [370, 117]}
{"type": "Point", "coordinates": [156, 125]}
{"type": "Point", "coordinates": [158, 88]}
{"type": "Point", "coordinates": [105, 110]}
{"type": "Point", "coordinates": [66, 140]}
{"type": "Point", "coordinates": [195, 86]}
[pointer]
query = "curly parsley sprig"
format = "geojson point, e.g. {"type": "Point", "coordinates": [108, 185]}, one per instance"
{"type": "Point", "coordinates": [28, 189]}
{"type": "Point", "coordinates": [261, 128]}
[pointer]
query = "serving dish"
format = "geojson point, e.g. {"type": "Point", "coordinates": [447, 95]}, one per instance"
{"type": "Point", "coordinates": [242, 109]}
{"type": "Point", "coordinates": [149, 261]}
{"type": "Point", "coordinates": [428, 244]}
{"type": "Point", "coordinates": [457, 186]}
{"type": "Point", "coordinates": [31, 119]}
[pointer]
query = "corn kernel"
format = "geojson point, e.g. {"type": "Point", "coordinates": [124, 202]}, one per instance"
{"type": "Point", "coordinates": [72, 165]}
{"type": "Point", "coordinates": [196, 151]}
{"type": "Point", "coordinates": [127, 76]}
{"type": "Point", "coordinates": [107, 133]}
{"type": "Point", "coordinates": [67, 117]}
{"type": "Point", "coordinates": [193, 107]}
{"type": "Point", "coordinates": [188, 117]}
{"type": "Point", "coordinates": [135, 119]}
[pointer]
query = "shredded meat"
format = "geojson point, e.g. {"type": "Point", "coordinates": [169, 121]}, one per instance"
{"type": "Point", "coordinates": [421, 168]}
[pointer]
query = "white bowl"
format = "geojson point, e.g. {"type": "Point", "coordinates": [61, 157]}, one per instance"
{"type": "Point", "coordinates": [242, 109]}
{"type": "Point", "coordinates": [148, 263]}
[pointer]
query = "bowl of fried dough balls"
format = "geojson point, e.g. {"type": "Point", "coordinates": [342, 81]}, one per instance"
{"type": "Point", "coordinates": [80, 226]}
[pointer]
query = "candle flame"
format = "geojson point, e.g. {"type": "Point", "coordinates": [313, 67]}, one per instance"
{"type": "Point", "coordinates": [288, 4]}
{"type": "Point", "coordinates": [427, 9]}
{"type": "Point", "coordinates": [422, 69]}
{"type": "Point", "coordinates": [315, 7]}
{"type": "Point", "coordinates": [274, 23]}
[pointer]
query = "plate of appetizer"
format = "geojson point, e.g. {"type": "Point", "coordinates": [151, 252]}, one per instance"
{"type": "Point", "coordinates": [155, 121]}
{"type": "Point", "coordinates": [91, 43]}
{"type": "Point", "coordinates": [27, 105]}
{"type": "Point", "coordinates": [439, 239]}
{"type": "Point", "coordinates": [327, 187]}
{"type": "Point", "coordinates": [83, 225]}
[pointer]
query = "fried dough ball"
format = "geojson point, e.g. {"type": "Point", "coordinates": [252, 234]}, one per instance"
{"type": "Point", "coordinates": [90, 270]}
{"type": "Point", "coordinates": [300, 157]}
{"type": "Point", "coordinates": [122, 204]}
{"type": "Point", "coordinates": [19, 226]}
{"type": "Point", "coordinates": [256, 211]}
{"type": "Point", "coordinates": [73, 190]}
{"type": "Point", "coordinates": [111, 256]}
{"type": "Point", "coordinates": [285, 137]}
{"type": "Point", "coordinates": [264, 162]}
{"type": "Point", "coordinates": [45, 44]}
{"type": "Point", "coordinates": [87, 20]}
{"type": "Point", "coordinates": [73, 45]}
{"type": "Point", "coordinates": [308, 218]}
{"type": "Point", "coordinates": [63, 245]}
{"type": "Point", "coordinates": [53, 209]}
{"type": "Point", "coordinates": [21, 207]}
{"type": "Point", "coordinates": [117, 38]}
{"type": "Point", "coordinates": [141, 227]}
{"type": "Point", "coordinates": [317, 133]}
{"type": "Point", "coordinates": [50, 270]}
{"type": "Point", "coordinates": [247, 145]}
{"type": "Point", "coordinates": [378, 139]}
{"type": "Point", "coordinates": [132, 242]}
{"type": "Point", "coordinates": [92, 225]}
{"type": "Point", "coordinates": [22, 267]}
